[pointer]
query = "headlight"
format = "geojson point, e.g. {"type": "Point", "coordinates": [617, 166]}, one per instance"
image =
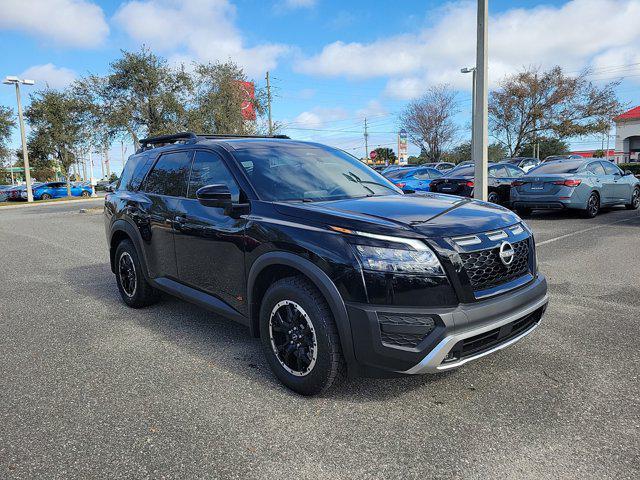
{"type": "Point", "coordinates": [394, 260]}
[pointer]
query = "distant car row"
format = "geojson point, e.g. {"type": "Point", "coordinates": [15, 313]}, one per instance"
{"type": "Point", "coordinates": [570, 182]}
{"type": "Point", "coordinates": [44, 191]}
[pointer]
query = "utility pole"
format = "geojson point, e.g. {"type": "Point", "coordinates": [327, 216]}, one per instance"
{"type": "Point", "coordinates": [122, 149]}
{"type": "Point", "coordinates": [366, 141]}
{"type": "Point", "coordinates": [481, 128]}
{"type": "Point", "coordinates": [25, 155]}
{"type": "Point", "coordinates": [106, 161]}
{"type": "Point", "coordinates": [93, 188]}
{"type": "Point", "coordinates": [269, 104]}
{"type": "Point", "coordinates": [84, 168]}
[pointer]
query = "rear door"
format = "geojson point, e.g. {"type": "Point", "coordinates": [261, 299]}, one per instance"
{"type": "Point", "coordinates": [605, 183]}
{"type": "Point", "coordinates": [621, 187]}
{"type": "Point", "coordinates": [165, 186]}
{"type": "Point", "coordinates": [210, 240]}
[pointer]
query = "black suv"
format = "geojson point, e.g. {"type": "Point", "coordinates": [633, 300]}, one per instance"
{"type": "Point", "coordinates": [332, 266]}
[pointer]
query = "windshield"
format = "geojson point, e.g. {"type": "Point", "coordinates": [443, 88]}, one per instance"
{"type": "Point", "coordinates": [557, 167]}
{"type": "Point", "coordinates": [294, 172]}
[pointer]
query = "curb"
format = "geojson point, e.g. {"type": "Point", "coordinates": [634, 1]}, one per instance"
{"type": "Point", "coordinates": [48, 204]}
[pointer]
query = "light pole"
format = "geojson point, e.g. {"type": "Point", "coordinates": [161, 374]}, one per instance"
{"type": "Point", "coordinates": [25, 156]}
{"type": "Point", "coordinates": [472, 70]}
{"type": "Point", "coordinates": [481, 100]}
{"type": "Point", "coordinates": [93, 188]}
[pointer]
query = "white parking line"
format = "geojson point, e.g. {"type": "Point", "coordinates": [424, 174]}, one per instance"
{"type": "Point", "coordinates": [561, 237]}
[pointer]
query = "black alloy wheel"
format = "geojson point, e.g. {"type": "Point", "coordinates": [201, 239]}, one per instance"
{"type": "Point", "coordinates": [593, 205]}
{"type": "Point", "coordinates": [132, 284]}
{"type": "Point", "coordinates": [293, 338]}
{"type": "Point", "coordinates": [85, 193]}
{"type": "Point", "coordinates": [127, 274]}
{"type": "Point", "coordinates": [493, 198]}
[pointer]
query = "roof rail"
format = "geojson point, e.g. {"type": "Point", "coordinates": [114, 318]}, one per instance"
{"type": "Point", "coordinates": [146, 143]}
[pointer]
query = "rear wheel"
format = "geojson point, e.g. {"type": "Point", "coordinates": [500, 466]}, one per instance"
{"type": "Point", "coordinates": [299, 336]}
{"type": "Point", "coordinates": [635, 200]}
{"type": "Point", "coordinates": [493, 197]}
{"type": "Point", "coordinates": [134, 288]}
{"type": "Point", "coordinates": [593, 205]}
{"type": "Point", "coordinates": [46, 196]}
{"type": "Point", "coordinates": [84, 193]}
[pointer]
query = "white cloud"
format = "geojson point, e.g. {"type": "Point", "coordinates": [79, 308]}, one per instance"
{"type": "Point", "coordinates": [318, 117]}
{"type": "Point", "coordinates": [202, 30]}
{"type": "Point", "coordinates": [77, 23]}
{"type": "Point", "coordinates": [373, 109]}
{"type": "Point", "coordinates": [49, 75]}
{"type": "Point", "coordinates": [577, 34]}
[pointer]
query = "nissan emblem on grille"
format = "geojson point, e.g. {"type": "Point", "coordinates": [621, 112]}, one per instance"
{"type": "Point", "coordinates": [507, 253]}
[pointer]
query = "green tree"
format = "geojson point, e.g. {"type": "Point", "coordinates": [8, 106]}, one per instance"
{"type": "Point", "coordinates": [548, 146]}
{"type": "Point", "coordinates": [386, 154]}
{"type": "Point", "coordinates": [462, 153]}
{"type": "Point", "coordinates": [532, 103]}
{"type": "Point", "coordinates": [140, 96]}
{"type": "Point", "coordinates": [56, 121]}
{"type": "Point", "coordinates": [218, 97]}
{"type": "Point", "coordinates": [7, 124]}
{"type": "Point", "coordinates": [599, 154]}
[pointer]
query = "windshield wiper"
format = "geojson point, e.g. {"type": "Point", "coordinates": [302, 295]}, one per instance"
{"type": "Point", "coordinates": [354, 178]}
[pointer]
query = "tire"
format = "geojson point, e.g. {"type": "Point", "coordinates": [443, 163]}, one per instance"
{"type": "Point", "coordinates": [45, 196]}
{"type": "Point", "coordinates": [523, 211]}
{"type": "Point", "coordinates": [635, 200]}
{"type": "Point", "coordinates": [295, 302]}
{"type": "Point", "coordinates": [84, 193]}
{"type": "Point", "coordinates": [493, 198]}
{"type": "Point", "coordinates": [134, 288]}
{"type": "Point", "coordinates": [593, 206]}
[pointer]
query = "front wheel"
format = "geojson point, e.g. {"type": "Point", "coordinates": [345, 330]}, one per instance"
{"type": "Point", "coordinates": [84, 193]}
{"type": "Point", "coordinates": [635, 200]}
{"type": "Point", "coordinates": [593, 206]}
{"type": "Point", "coordinates": [45, 196]}
{"type": "Point", "coordinates": [299, 336]}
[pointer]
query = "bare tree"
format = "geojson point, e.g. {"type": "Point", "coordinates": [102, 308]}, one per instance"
{"type": "Point", "coordinates": [532, 103]}
{"type": "Point", "coordinates": [429, 121]}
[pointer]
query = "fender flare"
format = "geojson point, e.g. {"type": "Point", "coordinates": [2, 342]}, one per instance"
{"type": "Point", "coordinates": [321, 281]}
{"type": "Point", "coordinates": [124, 226]}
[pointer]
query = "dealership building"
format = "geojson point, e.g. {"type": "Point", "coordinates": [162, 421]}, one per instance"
{"type": "Point", "coordinates": [628, 136]}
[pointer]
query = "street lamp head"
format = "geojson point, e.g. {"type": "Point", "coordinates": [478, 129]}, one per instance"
{"type": "Point", "coordinates": [468, 70]}
{"type": "Point", "coordinates": [28, 82]}
{"type": "Point", "coordinates": [10, 80]}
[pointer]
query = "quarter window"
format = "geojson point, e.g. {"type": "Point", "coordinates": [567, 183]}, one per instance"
{"type": "Point", "coordinates": [169, 175]}
{"type": "Point", "coordinates": [209, 169]}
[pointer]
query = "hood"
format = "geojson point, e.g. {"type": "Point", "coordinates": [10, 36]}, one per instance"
{"type": "Point", "coordinates": [432, 215]}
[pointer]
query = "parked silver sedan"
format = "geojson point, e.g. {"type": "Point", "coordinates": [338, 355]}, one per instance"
{"type": "Point", "coordinates": [581, 184]}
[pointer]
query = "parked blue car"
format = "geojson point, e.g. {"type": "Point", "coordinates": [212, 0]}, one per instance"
{"type": "Point", "coordinates": [50, 190]}
{"type": "Point", "coordinates": [580, 184]}
{"type": "Point", "coordinates": [416, 179]}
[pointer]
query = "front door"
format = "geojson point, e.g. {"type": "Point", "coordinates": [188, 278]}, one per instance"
{"type": "Point", "coordinates": [164, 188]}
{"type": "Point", "coordinates": [210, 240]}
{"type": "Point", "coordinates": [621, 186]}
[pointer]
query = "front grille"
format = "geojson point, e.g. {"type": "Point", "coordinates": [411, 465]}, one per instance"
{"type": "Point", "coordinates": [485, 269]}
{"type": "Point", "coordinates": [404, 330]}
{"type": "Point", "coordinates": [486, 341]}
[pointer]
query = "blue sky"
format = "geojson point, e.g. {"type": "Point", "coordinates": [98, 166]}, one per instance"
{"type": "Point", "coordinates": [332, 62]}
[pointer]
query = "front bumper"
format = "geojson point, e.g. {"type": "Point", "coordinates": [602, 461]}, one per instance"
{"type": "Point", "coordinates": [454, 336]}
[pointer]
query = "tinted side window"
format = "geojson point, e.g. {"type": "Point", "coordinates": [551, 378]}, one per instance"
{"type": "Point", "coordinates": [169, 175]}
{"type": "Point", "coordinates": [422, 174]}
{"type": "Point", "coordinates": [611, 169]}
{"type": "Point", "coordinates": [133, 172]}
{"type": "Point", "coordinates": [513, 171]}
{"type": "Point", "coordinates": [498, 172]}
{"type": "Point", "coordinates": [209, 169]}
{"type": "Point", "coordinates": [595, 168]}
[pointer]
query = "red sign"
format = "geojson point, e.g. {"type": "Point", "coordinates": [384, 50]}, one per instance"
{"type": "Point", "coordinates": [373, 155]}
{"type": "Point", "coordinates": [249, 92]}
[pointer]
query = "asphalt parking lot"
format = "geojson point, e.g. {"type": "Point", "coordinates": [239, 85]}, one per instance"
{"type": "Point", "coordinates": [92, 389]}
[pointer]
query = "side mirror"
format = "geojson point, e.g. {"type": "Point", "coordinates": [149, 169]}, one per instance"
{"type": "Point", "coordinates": [214, 196]}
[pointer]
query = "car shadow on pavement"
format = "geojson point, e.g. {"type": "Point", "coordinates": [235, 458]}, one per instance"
{"type": "Point", "coordinates": [219, 341]}
{"type": "Point", "coordinates": [566, 214]}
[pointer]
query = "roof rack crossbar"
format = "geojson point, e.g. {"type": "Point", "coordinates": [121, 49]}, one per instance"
{"type": "Point", "coordinates": [174, 137]}
{"type": "Point", "coordinates": [235, 135]}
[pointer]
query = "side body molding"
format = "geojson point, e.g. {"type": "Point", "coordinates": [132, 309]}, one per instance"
{"type": "Point", "coordinates": [322, 283]}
